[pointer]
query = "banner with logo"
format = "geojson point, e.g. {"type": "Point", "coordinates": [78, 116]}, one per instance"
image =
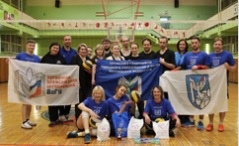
{"type": "Point", "coordinates": [42, 84]}
{"type": "Point", "coordinates": [140, 75]}
{"type": "Point", "coordinates": [197, 92]}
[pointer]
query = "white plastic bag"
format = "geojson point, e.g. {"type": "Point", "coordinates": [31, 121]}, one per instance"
{"type": "Point", "coordinates": [103, 130]}
{"type": "Point", "coordinates": [134, 127]}
{"type": "Point", "coordinates": [161, 129]}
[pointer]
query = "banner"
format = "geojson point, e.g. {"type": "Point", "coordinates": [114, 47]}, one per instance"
{"type": "Point", "coordinates": [140, 75]}
{"type": "Point", "coordinates": [197, 92]}
{"type": "Point", "coordinates": [42, 84]}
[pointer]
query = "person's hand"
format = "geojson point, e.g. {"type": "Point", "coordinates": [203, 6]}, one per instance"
{"type": "Point", "coordinates": [178, 123]}
{"type": "Point", "coordinates": [93, 114]}
{"type": "Point", "coordinates": [161, 60]}
{"type": "Point", "coordinates": [226, 65]}
{"type": "Point", "coordinates": [93, 82]}
{"type": "Point", "coordinates": [128, 102]}
{"type": "Point", "coordinates": [147, 120]}
{"type": "Point", "coordinates": [194, 68]}
{"type": "Point", "coordinates": [7, 60]}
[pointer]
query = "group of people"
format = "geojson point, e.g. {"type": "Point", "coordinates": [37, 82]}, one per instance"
{"type": "Point", "coordinates": [92, 101]}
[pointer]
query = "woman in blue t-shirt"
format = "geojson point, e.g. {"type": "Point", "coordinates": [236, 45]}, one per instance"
{"type": "Point", "coordinates": [158, 107]}
{"type": "Point", "coordinates": [95, 107]}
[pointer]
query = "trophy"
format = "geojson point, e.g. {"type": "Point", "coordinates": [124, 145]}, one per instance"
{"type": "Point", "coordinates": [119, 131]}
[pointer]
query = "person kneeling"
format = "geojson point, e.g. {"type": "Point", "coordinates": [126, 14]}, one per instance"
{"type": "Point", "coordinates": [93, 109]}
{"type": "Point", "coordinates": [158, 107]}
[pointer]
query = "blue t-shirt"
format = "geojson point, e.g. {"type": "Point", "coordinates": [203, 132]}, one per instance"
{"type": "Point", "coordinates": [115, 105]}
{"type": "Point", "coordinates": [191, 59]}
{"type": "Point", "coordinates": [101, 109]}
{"type": "Point", "coordinates": [68, 55]}
{"type": "Point", "coordinates": [158, 110]}
{"type": "Point", "coordinates": [221, 58]}
{"type": "Point", "coordinates": [179, 58]}
{"type": "Point", "coordinates": [28, 58]}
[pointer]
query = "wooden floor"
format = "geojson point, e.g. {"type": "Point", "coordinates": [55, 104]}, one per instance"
{"type": "Point", "coordinates": [11, 132]}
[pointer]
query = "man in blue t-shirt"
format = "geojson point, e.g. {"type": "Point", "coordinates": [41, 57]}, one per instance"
{"type": "Point", "coordinates": [217, 58]}
{"type": "Point", "coordinates": [195, 60]}
{"type": "Point", "coordinates": [28, 56]}
{"type": "Point", "coordinates": [68, 53]}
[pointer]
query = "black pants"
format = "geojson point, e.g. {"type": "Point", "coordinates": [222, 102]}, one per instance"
{"type": "Point", "coordinates": [140, 105]}
{"type": "Point", "coordinates": [65, 110]}
{"type": "Point", "coordinates": [53, 113]}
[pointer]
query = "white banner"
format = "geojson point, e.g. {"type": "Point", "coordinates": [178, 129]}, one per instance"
{"type": "Point", "coordinates": [43, 84]}
{"type": "Point", "coordinates": [197, 92]}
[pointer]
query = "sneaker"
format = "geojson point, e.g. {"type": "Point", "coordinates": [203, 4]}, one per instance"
{"type": "Point", "coordinates": [62, 118]}
{"type": "Point", "coordinates": [188, 124]}
{"type": "Point", "coordinates": [69, 118]}
{"type": "Point", "coordinates": [26, 125]}
{"type": "Point", "coordinates": [200, 125]}
{"type": "Point", "coordinates": [220, 128]}
{"type": "Point", "coordinates": [31, 123]}
{"type": "Point", "coordinates": [209, 127]}
{"type": "Point", "coordinates": [52, 124]}
{"type": "Point", "coordinates": [171, 133]}
{"type": "Point", "coordinates": [87, 138]}
{"type": "Point", "coordinates": [72, 134]}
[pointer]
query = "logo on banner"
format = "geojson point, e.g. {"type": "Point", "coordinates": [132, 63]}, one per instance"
{"type": "Point", "coordinates": [132, 83]}
{"type": "Point", "coordinates": [198, 89]}
{"type": "Point", "coordinates": [29, 84]}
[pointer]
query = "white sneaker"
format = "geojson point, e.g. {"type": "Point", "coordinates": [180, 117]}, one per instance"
{"type": "Point", "coordinates": [69, 118]}
{"type": "Point", "coordinates": [31, 123]}
{"type": "Point", "coordinates": [26, 125]}
{"type": "Point", "coordinates": [62, 118]}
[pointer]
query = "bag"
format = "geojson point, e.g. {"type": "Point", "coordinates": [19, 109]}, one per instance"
{"type": "Point", "coordinates": [103, 130]}
{"type": "Point", "coordinates": [161, 129]}
{"type": "Point", "coordinates": [120, 122]}
{"type": "Point", "coordinates": [134, 127]}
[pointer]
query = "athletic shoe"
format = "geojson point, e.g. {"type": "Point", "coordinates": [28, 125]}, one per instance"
{"type": "Point", "coordinates": [171, 133]}
{"type": "Point", "coordinates": [72, 134]}
{"type": "Point", "coordinates": [62, 118]}
{"type": "Point", "coordinates": [31, 123]}
{"type": "Point", "coordinates": [69, 118]}
{"type": "Point", "coordinates": [220, 128]}
{"type": "Point", "coordinates": [209, 127]}
{"type": "Point", "coordinates": [26, 125]}
{"type": "Point", "coordinates": [52, 124]}
{"type": "Point", "coordinates": [188, 124]}
{"type": "Point", "coordinates": [200, 126]}
{"type": "Point", "coordinates": [87, 138]}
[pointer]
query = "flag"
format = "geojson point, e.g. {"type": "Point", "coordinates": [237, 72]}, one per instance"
{"type": "Point", "coordinates": [140, 75]}
{"type": "Point", "coordinates": [42, 84]}
{"type": "Point", "coordinates": [196, 92]}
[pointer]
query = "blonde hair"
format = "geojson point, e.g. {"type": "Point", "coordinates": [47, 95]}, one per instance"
{"type": "Point", "coordinates": [98, 88]}
{"type": "Point", "coordinates": [218, 39]}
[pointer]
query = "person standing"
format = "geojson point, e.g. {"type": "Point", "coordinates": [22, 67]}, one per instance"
{"type": "Point", "coordinates": [134, 52]}
{"type": "Point", "coordinates": [147, 53]}
{"type": "Point", "coordinates": [89, 52]}
{"type": "Point", "coordinates": [217, 58]}
{"type": "Point", "coordinates": [195, 60]}
{"type": "Point", "coordinates": [107, 44]}
{"type": "Point", "coordinates": [68, 53]}
{"type": "Point", "coordinates": [125, 50]}
{"type": "Point", "coordinates": [84, 76]}
{"type": "Point", "coordinates": [28, 56]}
{"type": "Point", "coordinates": [53, 57]}
{"type": "Point", "coordinates": [115, 53]}
{"type": "Point", "coordinates": [182, 49]}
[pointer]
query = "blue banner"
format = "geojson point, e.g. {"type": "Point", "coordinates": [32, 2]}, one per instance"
{"type": "Point", "coordinates": [140, 75]}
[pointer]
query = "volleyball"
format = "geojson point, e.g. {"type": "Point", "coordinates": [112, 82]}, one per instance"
{"type": "Point", "coordinates": [135, 96]}
{"type": "Point", "coordinates": [93, 122]}
{"type": "Point", "coordinates": [159, 120]}
{"type": "Point", "coordinates": [87, 64]}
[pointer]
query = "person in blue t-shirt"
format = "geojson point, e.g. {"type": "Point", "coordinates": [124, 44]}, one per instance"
{"type": "Point", "coordinates": [95, 107]}
{"type": "Point", "coordinates": [182, 49]}
{"type": "Point", "coordinates": [195, 60]}
{"type": "Point", "coordinates": [159, 107]}
{"type": "Point", "coordinates": [28, 56]}
{"type": "Point", "coordinates": [68, 53]}
{"type": "Point", "coordinates": [217, 58]}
